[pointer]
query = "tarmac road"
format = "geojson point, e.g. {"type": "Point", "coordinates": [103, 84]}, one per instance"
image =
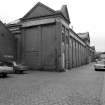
{"type": "Point", "coordinates": [78, 86]}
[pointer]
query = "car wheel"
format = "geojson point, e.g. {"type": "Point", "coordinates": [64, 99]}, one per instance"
{"type": "Point", "coordinates": [96, 69]}
{"type": "Point", "coordinates": [16, 71]}
{"type": "Point", "coordinates": [1, 75]}
{"type": "Point", "coordinates": [4, 74]}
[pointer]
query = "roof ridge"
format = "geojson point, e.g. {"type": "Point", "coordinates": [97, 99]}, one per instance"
{"type": "Point", "coordinates": [40, 4]}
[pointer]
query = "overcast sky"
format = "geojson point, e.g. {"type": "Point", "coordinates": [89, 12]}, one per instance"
{"type": "Point", "coordinates": [85, 15]}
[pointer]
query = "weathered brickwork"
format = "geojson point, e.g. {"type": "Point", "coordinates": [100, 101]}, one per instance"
{"type": "Point", "coordinates": [45, 39]}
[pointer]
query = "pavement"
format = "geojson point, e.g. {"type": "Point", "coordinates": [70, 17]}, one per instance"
{"type": "Point", "coordinates": [78, 86]}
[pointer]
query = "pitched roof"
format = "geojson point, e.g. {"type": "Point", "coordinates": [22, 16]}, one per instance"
{"type": "Point", "coordinates": [64, 11]}
{"type": "Point", "coordinates": [84, 35]}
{"type": "Point", "coordinates": [39, 10]}
{"type": "Point", "coordinates": [42, 10]}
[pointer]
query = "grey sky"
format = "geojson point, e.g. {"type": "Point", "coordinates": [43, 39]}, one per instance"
{"type": "Point", "coordinates": [85, 15]}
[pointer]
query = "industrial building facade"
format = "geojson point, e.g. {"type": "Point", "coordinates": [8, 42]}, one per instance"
{"type": "Point", "coordinates": [7, 44]}
{"type": "Point", "coordinates": [44, 40]}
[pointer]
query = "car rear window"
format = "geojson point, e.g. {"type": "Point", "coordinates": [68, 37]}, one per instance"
{"type": "Point", "coordinates": [101, 62]}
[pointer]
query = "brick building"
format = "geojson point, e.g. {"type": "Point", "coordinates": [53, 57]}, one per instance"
{"type": "Point", "coordinates": [7, 46]}
{"type": "Point", "coordinates": [45, 40]}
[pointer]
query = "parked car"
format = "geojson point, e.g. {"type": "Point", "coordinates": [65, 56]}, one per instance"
{"type": "Point", "coordinates": [100, 65]}
{"type": "Point", "coordinates": [11, 67]}
{"type": "Point", "coordinates": [19, 68]}
{"type": "Point", "coordinates": [4, 69]}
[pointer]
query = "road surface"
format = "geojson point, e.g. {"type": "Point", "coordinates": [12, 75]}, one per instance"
{"type": "Point", "coordinates": [78, 86]}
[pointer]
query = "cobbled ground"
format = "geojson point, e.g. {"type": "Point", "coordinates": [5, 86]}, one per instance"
{"type": "Point", "coordinates": [78, 86]}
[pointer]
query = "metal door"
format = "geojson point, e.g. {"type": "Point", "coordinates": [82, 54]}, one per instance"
{"type": "Point", "coordinates": [32, 54]}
